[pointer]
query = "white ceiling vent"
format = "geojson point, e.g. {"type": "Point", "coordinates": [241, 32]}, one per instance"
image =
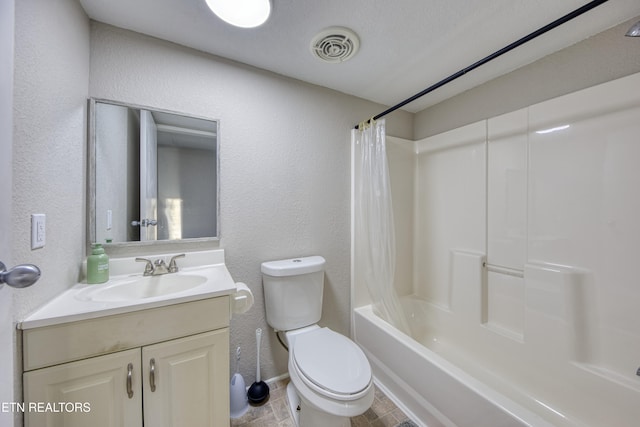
{"type": "Point", "coordinates": [335, 44]}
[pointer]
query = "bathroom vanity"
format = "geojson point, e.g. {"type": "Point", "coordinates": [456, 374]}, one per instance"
{"type": "Point", "coordinates": [159, 360]}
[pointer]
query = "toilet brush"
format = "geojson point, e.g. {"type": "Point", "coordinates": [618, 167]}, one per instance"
{"type": "Point", "coordinates": [259, 390]}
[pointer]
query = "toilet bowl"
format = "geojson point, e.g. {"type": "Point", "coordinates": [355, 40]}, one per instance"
{"type": "Point", "coordinates": [330, 375]}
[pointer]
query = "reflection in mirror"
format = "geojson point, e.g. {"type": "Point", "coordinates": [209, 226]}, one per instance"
{"type": "Point", "coordinates": [153, 175]}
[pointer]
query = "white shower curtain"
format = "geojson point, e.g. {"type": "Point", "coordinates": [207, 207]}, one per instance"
{"type": "Point", "coordinates": [375, 246]}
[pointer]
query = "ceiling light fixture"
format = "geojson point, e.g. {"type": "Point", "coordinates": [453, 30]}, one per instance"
{"type": "Point", "coordinates": [634, 31]}
{"type": "Point", "coordinates": [241, 13]}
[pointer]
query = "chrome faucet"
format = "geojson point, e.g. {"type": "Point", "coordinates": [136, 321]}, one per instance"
{"type": "Point", "coordinates": [148, 268]}
{"type": "Point", "coordinates": [158, 267]}
{"type": "Point", "coordinates": [173, 265]}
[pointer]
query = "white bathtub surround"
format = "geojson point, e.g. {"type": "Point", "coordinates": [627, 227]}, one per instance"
{"type": "Point", "coordinates": [520, 283]}
{"type": "Point", "coordinates": [374, 237]}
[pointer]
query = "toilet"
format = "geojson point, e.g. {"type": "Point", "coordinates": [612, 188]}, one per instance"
{"type": "Point", "coordinates": [330, 375]}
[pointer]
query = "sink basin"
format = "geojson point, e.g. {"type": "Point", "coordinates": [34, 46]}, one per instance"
{"type": "Point", "coordinates": [202, 275]}
{"type": "Point", "coordinates": [141, 287]}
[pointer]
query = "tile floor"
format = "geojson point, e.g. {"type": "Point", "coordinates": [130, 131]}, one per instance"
{"type": "Point", "coordinates": [275, 413]}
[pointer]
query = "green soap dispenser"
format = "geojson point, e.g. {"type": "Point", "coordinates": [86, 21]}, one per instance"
{"type": "Point", "coordinates": [97, 265]}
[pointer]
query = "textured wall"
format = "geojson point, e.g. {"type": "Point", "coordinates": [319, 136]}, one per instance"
{"type": "Point", "coordinates": [284, 178]}
{"type": "Point", "coordinates": [598, 59]}
{"type": "Point", "coordinates": [6, 148]}
{"type": "Point", "coordinates": [285, 145]}
{"type": "Point", "coordinates": [50, 91]}
{"type": "Point", "coordinates": [51, 80]}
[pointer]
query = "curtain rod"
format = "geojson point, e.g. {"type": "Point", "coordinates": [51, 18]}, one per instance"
{"type": "Point", "coordinates": [569, 16]}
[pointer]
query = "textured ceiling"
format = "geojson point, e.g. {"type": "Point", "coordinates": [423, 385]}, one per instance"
{"type": "Point", "coordinates": [405, 45]}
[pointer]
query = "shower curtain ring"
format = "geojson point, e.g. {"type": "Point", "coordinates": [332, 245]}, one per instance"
{"type": "Point", "coordinates": [365, 124]}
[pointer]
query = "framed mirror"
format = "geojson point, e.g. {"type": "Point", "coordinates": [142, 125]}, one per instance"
{"type": "Point", "coordinates": [153, 175]}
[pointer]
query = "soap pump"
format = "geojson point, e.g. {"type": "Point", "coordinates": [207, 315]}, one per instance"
{"type": "Point", "coordinates": [97, 265]}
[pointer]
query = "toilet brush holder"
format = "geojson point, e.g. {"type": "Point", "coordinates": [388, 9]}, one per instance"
{"type": "Point", "coordinates": [238, 392]}
{"type": "Point", "coordinates": [238, 396]}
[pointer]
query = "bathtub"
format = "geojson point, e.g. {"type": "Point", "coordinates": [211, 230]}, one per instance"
{"type": "Point", "coordinates": [518, 251]}
{"type": "Point", "coordinates": [434, 391]}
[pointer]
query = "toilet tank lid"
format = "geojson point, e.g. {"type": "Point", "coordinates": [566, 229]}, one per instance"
{"type": "Point", "coordinates": [293, 266]}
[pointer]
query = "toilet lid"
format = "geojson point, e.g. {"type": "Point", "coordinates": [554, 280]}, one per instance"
{"type": "Point", "coordinates": [332, 361]}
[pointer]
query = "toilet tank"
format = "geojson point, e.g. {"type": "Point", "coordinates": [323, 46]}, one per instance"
{"type": "Point", "coordinates": [293, 292]}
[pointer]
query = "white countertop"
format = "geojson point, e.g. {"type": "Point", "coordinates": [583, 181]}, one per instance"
{"type": "Point", "coordinates": [71, 306]}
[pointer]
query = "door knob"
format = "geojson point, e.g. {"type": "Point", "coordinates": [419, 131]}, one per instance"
{"type": "Point", "coordinates": [144, 222]}
{"type": "Point", "coordinates": [20, 276]}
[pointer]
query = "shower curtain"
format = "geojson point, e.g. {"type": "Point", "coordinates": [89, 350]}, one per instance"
{"type": "Point", "coordinates": [375, 246]}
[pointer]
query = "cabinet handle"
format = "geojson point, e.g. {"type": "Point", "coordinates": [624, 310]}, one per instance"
{"type": "Point", "coordinates": [129, 380]}
{"type": "Point", "coordinates": [152, 374]}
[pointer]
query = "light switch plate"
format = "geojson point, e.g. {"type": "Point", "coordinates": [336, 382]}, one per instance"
{"type": "Point", "coordinates": [38, 231]}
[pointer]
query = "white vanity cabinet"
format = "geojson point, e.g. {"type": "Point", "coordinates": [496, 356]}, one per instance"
{"type": "Point", "coordinates": [187, 381]}
{"type": "Point", "coordinates": [97, 385]}
{"type": "Point", "coordinates": [160, 367]}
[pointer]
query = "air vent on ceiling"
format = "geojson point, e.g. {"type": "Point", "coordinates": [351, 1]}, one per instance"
{"type": "Point", "coordinates": [335, 44]}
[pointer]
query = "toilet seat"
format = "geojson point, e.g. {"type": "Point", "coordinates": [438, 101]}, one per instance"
{"type": "Point", "coordinates": [331, 364]}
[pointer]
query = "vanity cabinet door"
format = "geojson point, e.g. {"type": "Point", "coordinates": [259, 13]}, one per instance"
{"type": "Point", "coordinates": [186, 381]}
{"type": "Point", "coordinates": [103, 391]}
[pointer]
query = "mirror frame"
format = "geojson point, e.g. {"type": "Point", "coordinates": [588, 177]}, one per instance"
{"type": "Point", "coordinates": [91, 178]}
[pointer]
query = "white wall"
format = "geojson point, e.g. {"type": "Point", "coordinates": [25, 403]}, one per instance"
{"type": "Point", "coordinates": [183, 171]}
{"type": "Point", "coordinates": [51, 79]}
{"type": "Point", "coordinates": [6, 148]}
{"type": "Point", "coordinates": [285, 149]}
{"type": "Point", "coordinates": [285, 154]}
{"type": "Point", "coordinates": [51, 86]}
{"type": "Point", "coordinates": [115, 125]}
{"type": "Point", "coordinates": [598, 59]}
{"type": "Point", "coordinates": [284, 162]}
